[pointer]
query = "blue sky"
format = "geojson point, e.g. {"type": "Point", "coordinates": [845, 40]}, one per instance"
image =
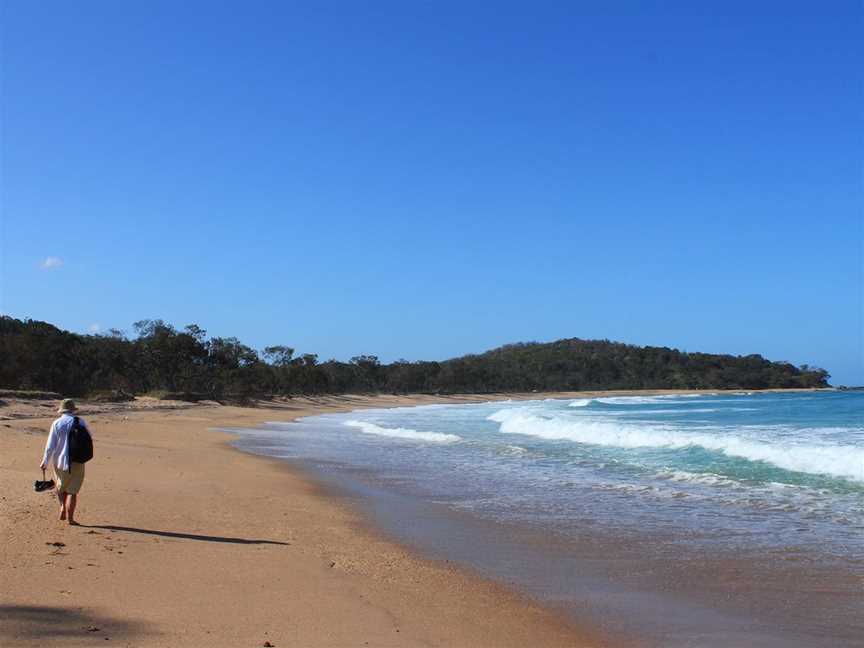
{"type": "Point", "coordinates": [422, 180]}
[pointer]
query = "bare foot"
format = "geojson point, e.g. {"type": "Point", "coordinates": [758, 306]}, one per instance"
{"type": "Point", "coordinates": [73, 523]}
{"type": "Point", "coordinates": [62, 514]}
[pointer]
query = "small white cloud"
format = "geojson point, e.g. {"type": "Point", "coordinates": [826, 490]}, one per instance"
{"type": "Point", "coordinates": [94, 328]}
{"type": "Point", "coordinates": [52, 262]}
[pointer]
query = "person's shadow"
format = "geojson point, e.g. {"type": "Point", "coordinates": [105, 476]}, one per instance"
{"type": "Point", "coordinates": [183, 536]}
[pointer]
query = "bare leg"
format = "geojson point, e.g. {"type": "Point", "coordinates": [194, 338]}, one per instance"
{"type": "Point", "coordinates": [62, 497]}
{"type": "Point", "coordinates": [71, 501]}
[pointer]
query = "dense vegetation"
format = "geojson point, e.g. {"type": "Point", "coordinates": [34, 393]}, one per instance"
{"type": "Point", "coordinates": [39, 356]}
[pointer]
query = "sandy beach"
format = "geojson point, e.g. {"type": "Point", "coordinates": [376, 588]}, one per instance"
{"type": "Point", "coordinates": [187, 541]}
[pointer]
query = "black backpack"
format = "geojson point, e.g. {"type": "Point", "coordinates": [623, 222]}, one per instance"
{"type": "Point", "coordinates": [80, 443]}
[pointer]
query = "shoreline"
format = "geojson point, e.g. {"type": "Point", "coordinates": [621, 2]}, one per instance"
{"type": "Point", "coordinates": [16, 408]}
{"type": "Point", "coordinates": [635, 583]}
{"type": "Point", "coordinates": [338, 578]}
{"type": "Point", "coordinates": [155, 563]}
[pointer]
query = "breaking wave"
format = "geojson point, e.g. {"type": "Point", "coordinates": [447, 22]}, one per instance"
{"type": "Point", "coordinates": [709, 479]}
{"type": "Point", "coordinates": [635, 400]}
{"type": "Point", "coordinates": [645, 400]}
{"type": "Point", "coordinates": [838, 461]}
{"type": "Point", "coordinates": [403, 433]}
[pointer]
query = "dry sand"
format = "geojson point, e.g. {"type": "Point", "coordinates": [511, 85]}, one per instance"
{"type": "Point", "coordinates": [185, 541]}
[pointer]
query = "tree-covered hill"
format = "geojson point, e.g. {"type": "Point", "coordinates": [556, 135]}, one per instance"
{"type": "Point", "coordinates": [38, 355]}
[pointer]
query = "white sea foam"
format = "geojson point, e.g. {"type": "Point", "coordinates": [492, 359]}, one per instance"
{"type": "Point", "coordinates": [514, 450]}
{"type": "Point", "coordinates": [698, 410]}
{"type": "Point", "coordinates": [646, 400]}
{"type": "Point", "coordinates": [651, 400]}
{"type": "Point", "coordinates": [709, 479]}
{"type": "Point", "coordinates": [837, 460]}
{"type": "Point", "coordinates": [636, 400]}
{"type": "Point", "coordinates": [643, 490]}
{"type": "Point", "coordinates": [628, 400]}
{"type": "Point", "coordinates": [403, 433]}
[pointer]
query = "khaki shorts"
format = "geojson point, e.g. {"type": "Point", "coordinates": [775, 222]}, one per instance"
{"type": "Point", "coordinates": [70, 481]}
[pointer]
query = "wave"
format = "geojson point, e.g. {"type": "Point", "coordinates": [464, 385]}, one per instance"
{"type": "Point", "coordinates": [514, 450]}
{"type": "Point", "coordinates": [710, 479]}
{"type": "Point", "coordinates": [646, 400]}
{"type": "Point", "coordinates": [697, 410]}
{"type": "Point", "coordinates": [838, 461]}
{"type": "Point", "coordinates": [636, 400]}
{"type": "Point", "coordinates": [403, 433]}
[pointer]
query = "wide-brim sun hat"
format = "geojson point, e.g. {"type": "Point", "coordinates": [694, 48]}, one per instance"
{"type": "Point", "coordinates": [67, 405]}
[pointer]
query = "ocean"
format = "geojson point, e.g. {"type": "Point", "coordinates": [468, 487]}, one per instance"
{"type": "Point", "coordinates": [690, 520]}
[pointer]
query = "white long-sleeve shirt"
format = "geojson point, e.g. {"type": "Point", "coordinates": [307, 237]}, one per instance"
{"type": "Point", "coordinates": [57, 446]}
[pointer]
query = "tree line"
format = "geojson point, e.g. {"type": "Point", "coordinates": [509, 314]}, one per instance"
{"type": "Point", "coordinates": [186, 363]}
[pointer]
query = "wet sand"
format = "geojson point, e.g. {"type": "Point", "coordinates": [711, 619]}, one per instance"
{"type": "Point", "coordinates": [654, 588]}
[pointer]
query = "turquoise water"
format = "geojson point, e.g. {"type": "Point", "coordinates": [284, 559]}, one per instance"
{"type": "Point", "coordinates": [764, 469]}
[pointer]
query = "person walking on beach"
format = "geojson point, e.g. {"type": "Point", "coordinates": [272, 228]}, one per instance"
{"type": "Point", "coordinates": [69, 469]}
